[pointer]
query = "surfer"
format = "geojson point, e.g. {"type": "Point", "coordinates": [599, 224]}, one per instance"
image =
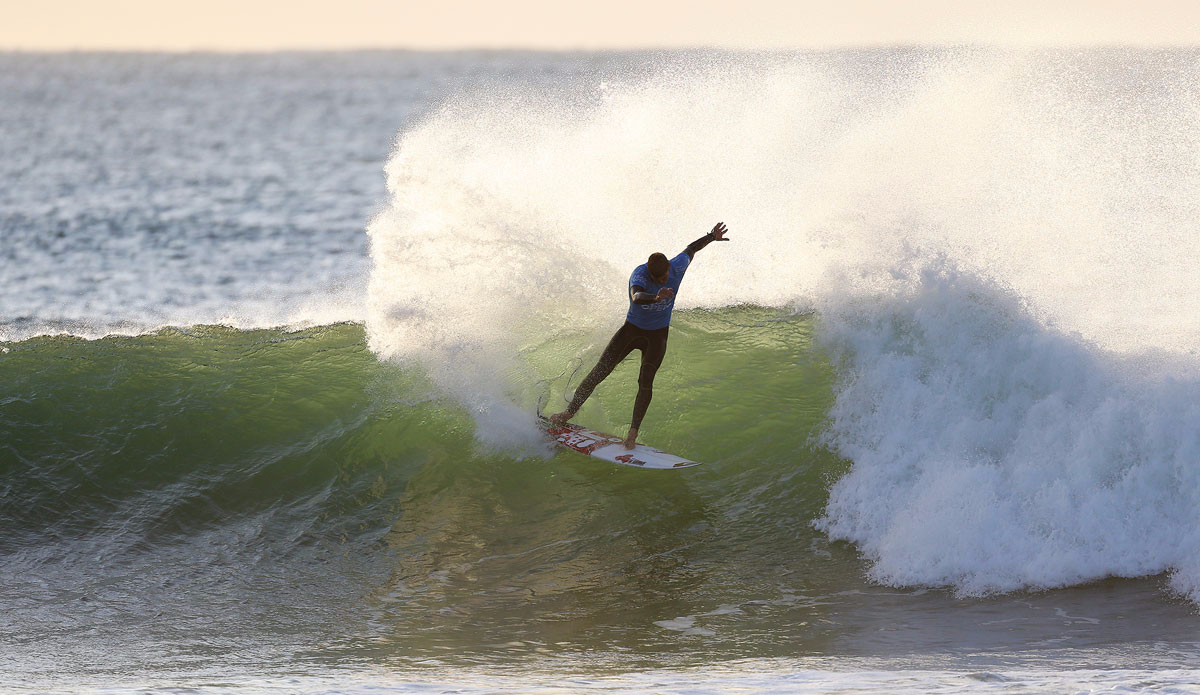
{"type": "Point", "coordinates": [652, 288]}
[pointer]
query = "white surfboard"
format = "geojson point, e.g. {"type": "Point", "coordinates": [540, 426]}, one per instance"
{"type": "Point", "coordinates": [610, 448]}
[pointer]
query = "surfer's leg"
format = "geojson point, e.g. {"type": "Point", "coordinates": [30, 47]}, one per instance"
{"type": "Point", "coordinates": [618, 348]}
{"type": "Point", "coordinates": [655, 348]}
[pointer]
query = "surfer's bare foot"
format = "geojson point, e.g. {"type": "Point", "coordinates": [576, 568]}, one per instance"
{"type": "Point", "coordinates": [630, 439]}
{"type": "Point", "coordinates": [560, 418]}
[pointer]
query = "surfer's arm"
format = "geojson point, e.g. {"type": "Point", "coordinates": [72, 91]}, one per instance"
{"type": "Point", "coordinates": [717, 234]}
{"type": "Point", "coordinates": [639, 295]}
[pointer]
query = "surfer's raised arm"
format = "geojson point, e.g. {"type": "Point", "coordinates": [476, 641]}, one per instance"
{"type": "Point", "coordinates": [717, 234]}
{"type": "Point", "coordinates": [638, 293]}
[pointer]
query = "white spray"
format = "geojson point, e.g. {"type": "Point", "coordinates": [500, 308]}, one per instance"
{"type": "Point", "coordinates": [996, 245]}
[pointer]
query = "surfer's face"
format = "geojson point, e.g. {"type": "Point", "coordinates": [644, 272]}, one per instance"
{"type": "Point", "coordinates": [661, 279]}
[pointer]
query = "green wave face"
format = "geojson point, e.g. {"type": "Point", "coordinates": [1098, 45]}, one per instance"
{"type": "Point", "coordinates": [292, 484]}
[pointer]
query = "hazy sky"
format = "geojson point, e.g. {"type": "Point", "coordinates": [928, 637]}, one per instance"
{"type": "Point", "coordinates": [273, 24]}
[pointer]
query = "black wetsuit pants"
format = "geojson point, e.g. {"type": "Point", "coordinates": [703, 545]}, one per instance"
{"type": "Point", "coordinates": [628, 338]}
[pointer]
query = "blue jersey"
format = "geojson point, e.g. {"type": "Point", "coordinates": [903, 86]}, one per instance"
{"type": "Point", "coordinates": [658, 314]}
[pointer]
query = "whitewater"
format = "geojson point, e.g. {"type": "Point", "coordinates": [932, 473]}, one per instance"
{"type": "Point", "coordinates": [275, 327]}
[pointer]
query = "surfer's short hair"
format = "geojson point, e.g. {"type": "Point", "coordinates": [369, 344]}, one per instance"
{"type": "Point", "coordinates": [658, 265]}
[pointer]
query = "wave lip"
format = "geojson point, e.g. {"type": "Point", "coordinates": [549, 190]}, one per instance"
{"type": "Point", "coordinates": [993, 454]}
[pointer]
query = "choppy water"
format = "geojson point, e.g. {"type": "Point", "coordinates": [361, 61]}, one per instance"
{"type": "Point", "coordinates": [942, 379]}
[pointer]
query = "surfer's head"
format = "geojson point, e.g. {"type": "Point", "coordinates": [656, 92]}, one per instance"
{"type": "Point", "coordinates": [659, 268]}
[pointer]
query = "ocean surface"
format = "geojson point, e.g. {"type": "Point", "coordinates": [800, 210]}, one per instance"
{"type": "Point", "coordinates": [273, 330]}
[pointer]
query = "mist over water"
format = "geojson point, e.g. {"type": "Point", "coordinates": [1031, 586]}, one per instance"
{"type": "Point", "coordinates": [999, 247]}
{"type": "Point", "coordinates": [1068, 176]}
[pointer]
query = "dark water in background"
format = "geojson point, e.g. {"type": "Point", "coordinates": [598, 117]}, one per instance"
{"type": "Point", "coordinates": [230, 506]}
{"type": "Point", "coordinates": [150, 190]}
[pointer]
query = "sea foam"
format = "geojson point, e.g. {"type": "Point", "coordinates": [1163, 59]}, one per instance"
{"type": "Point", "coordinates": [992, 453]}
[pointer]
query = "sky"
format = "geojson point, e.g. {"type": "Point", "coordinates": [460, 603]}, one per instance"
{"type": "Point", "coordinates": [264, 25]}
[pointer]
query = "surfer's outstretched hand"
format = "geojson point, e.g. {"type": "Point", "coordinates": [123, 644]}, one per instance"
{"type": "Point", "coordinates": [718, 232]}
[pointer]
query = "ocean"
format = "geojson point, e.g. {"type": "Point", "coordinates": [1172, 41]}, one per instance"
{"type": "Point", "coordinates": [274, 328]}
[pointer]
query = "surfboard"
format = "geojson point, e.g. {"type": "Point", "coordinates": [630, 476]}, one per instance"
{"type": "Point", "coordinates": [609, 448]}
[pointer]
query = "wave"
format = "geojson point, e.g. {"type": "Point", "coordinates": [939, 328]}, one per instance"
{"type": "Point", "coordinates": [154, 438]}
{"type": "Point", "coordinates": [993, 454]}
{"type": "Point", "coordinates": [196, 477]}
{"type": "Point", "coordinates": [994, 242]}
{"type": "Point", "coordinates": [994, 245]}
{"type": "Point", "coordinates": [968, 447]}
{"type": "Point", "coordinates": [160, 435]}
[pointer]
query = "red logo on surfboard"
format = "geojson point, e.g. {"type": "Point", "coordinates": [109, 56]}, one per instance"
{"type": "Point", "coordinates": [573, 438]}
{"type": "Point", "coordinates": [629, 459]}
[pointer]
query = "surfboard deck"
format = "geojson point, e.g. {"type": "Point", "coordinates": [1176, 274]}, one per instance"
{"type": "Point", "coordinates": [609, 448]}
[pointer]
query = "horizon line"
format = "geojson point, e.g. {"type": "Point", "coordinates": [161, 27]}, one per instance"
{"type": "Point", "coordinates": [467, 48]}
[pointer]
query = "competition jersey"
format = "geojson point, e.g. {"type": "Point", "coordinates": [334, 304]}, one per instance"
{"type": "Point", "coordinates": [657, 315]}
